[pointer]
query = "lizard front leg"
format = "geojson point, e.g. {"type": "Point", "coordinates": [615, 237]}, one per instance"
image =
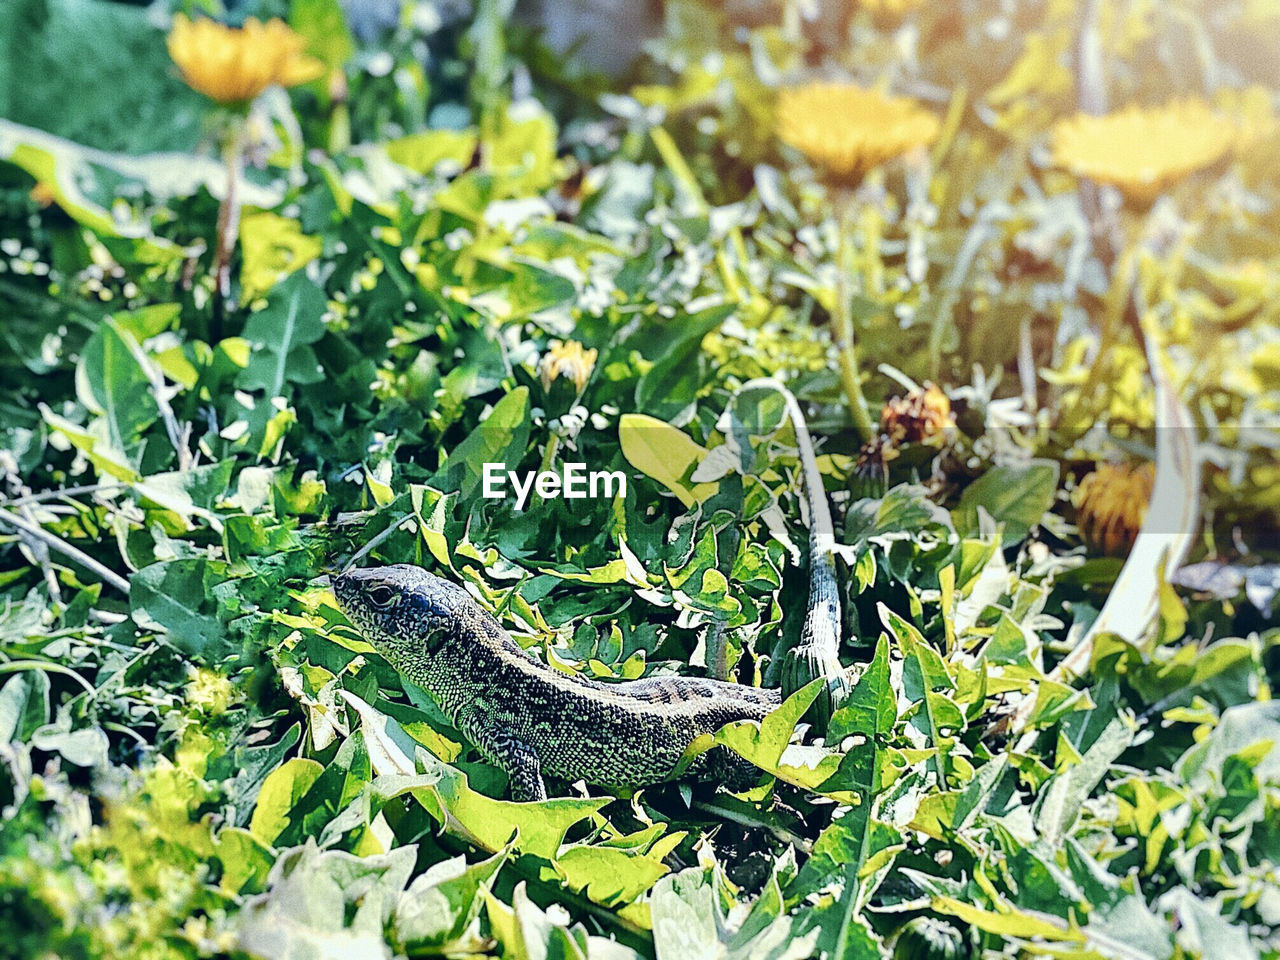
{"type": "Point", "coordinates": [517, 759]}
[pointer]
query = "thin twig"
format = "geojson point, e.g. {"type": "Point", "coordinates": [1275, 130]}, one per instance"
{"type": "Point", "coordinates": [121, 728]}
{"type": "Point", "coordinates": [377, 541]}
{"type": "Point", "coordinates": [105, 487]}
{"type": "Point", "coordinates": [76, 554]}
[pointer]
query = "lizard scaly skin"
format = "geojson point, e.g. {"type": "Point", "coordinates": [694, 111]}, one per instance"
{"type": "Point", "coordinates": [525, 716]}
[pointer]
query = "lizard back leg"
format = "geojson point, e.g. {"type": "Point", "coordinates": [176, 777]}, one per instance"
{"type": "Point", "coordinates": [518, 760]}
{"type": "Point", "coordinates": [724, 767]}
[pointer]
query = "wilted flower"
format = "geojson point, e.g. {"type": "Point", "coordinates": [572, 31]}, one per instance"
{"type": "Point", "coordinates": [1143, 150]}
{"type": "Point", "coordinates": [235, 64]}
{"type": "Point", "coordinates": [1111, 503]}
{"type": "Point", "coordinates": [923, 416]}
{"type": "Point", "coordinates": [850, 129]}
{"type": "Point", "coordinates": [568, 360]}
{"type": "Point", "coordinates": [920, 416]}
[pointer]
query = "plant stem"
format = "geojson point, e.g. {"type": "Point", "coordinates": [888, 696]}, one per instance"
{"type": "Point", "coordinates": [850, 377]}
{"type": "Point", "coordinates": [339, 112]}
{"type": "Point", "coordinates": [229, 211]}
{"type": "Point", "coordinates": [549, 453]}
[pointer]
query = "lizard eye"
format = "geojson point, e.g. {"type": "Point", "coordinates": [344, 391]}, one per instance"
{"type": "Point", "coordinates": [382, 595]}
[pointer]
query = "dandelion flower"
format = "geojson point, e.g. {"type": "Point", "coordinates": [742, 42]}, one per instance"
{"type": "Point", "coordinates": [1111, 503]}
{"type": "Point", "coordinates": [568, 360]}
{"type": "Point", "coordinates": [234, 64]}
{"type": "Point", "coordinates": [849, 129]}
{"type": "Point", "coordinates": [1143, 150]}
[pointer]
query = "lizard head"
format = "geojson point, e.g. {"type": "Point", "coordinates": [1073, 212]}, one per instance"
{"type": "Point", "coordinates": [402, 610]}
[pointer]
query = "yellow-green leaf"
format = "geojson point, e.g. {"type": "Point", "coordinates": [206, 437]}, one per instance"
{"type": "Point", "coordinates": [666, 454]}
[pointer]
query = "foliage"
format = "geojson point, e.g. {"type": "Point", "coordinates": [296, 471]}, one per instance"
{"type": "Point", "coordinates": [213, 763]}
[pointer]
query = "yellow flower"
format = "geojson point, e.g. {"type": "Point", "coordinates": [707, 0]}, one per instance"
{"type": "Point", "coordinates": [1143, 151]}
{"type": "Point", "coordinates": [567, 360]}
{"type": "Point", "coordinates": [1111, 503]}
{"type": "Point", "coordinates": [849, 129]}
{"type": "Point", "coordinates": [234, 65]}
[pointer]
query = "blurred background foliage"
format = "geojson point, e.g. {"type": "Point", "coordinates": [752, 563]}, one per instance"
{"type": "Point", "coordinates": [478, 236]}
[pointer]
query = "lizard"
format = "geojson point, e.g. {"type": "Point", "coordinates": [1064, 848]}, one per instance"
{"type": "Point", "coordinates": [531, 719]}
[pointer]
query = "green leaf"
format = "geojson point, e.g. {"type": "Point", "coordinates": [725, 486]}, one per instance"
{"type": "Point", "coordinates": [666, 454]}
{"type": "Point", "coordinates": [325, 904]}
{"type": "Point", "coordinates": [24, 705]}
{"type": "Point", "coordinates": [421, 152]}
{"type": "Point", "coordinates": [174, 597]}
{"type": "Point", "coordinates": [607, 875]}
{"type": "Point", "coordinates": [537, 828]}
{"type": "Point", "coordinates": [1009, 921]}
{"type": "Point", "coordinates": [501, 437]}
{"type": "Point", "coordinates": [271, 248]}
{"type": "Point", "coordinates": [1243, 729]}
{"type": "Point", "coordinates": [869, 714]}
{"type": "Point", "coordinates": [138, 102]}
{"type": "Point", "coordinates": [324, 26]}
{"type": "Point", "coordinates": [113, 386]}
{"type": "Point", "coordinates": [1202, 930]}
{"type": "Point", "coordinates": [86, 747]}
{"type": "Point", "coordinates": [1061, 800]}
{"type": "Point", "coordinates": [670, 384]}
{"type": "Point", "coordinates": [872, 707]}
{"type": "Point", "coordinates": [190, 494]}
{"type": "Point", "coordinates": [689, 921]}
{"type": "Point", "coordinates": [280, 335]}
{"type": "Point", "coordinates": [764, 744]}
{"type": "Point", "coordinates": [439, 904]}
{"type": "Point", "coordinates": [1016, 496]}
{"type": "Point", "coordinates": [246, 860]}
{"type": "Point", "coordinates": [841, 929]}
{"type": "Point", "coordinates": [281, 791]}
{"type": "Point", "coordinates": [767, 746]}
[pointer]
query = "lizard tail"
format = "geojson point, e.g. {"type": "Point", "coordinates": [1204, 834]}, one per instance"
{"type": "Point", "coordinates": [818, 652]}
